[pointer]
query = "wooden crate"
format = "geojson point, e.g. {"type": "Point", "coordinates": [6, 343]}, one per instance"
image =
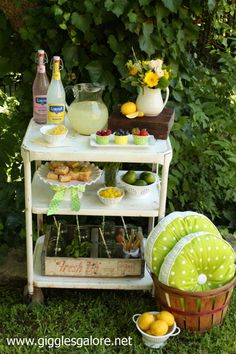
{"type": "Point", "coordinates": [91, 266]}
{"type": "Point", "coordinates": [159, 126]}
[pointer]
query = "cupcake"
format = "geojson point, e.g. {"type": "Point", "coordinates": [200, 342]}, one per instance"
{"type": "Point", "coordinates": [121, 137]}
{"type": "Point", "coordinates": [103, 136]}
{"type": "Point", "coordinates": [140, 136]}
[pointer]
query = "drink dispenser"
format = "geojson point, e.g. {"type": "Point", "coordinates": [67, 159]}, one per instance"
{"type": "Point", "coordinates": [87, 113]}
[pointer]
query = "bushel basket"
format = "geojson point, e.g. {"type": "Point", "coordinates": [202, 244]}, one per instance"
{"type": "Point", "coordinates": [196, 311]}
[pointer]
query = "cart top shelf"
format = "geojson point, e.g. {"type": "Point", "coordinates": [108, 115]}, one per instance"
{"type": "Point", "coordinates": [79, 147]}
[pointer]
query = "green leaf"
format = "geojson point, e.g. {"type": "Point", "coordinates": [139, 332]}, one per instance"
{"type": "Point", "coordinates": [113, 43]}
{"type": "Point", "coordinates": [57, 10]}
{"type": "Point", "coordinates": [95, 70]}
{"type": "Point", "coordinates": [82, 22]}
{"type": "Point", "coordinates": [70, 55]}
{"type": "Point", "coordinates": [144, 2]}
{"type": "Point", "coordinates": [172, 5]}
{"type": "Point", "coordinates": [132, 16]}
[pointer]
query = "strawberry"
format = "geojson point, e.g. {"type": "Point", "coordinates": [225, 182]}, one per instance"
{"type": "Point", "coordinates": [144, 132]}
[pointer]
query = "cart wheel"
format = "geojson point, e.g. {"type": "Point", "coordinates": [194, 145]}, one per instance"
{"type": "Point", "coordinates": [35, 299]}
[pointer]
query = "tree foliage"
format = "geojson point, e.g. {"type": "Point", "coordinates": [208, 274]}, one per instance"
{"type": "Point", "coordinates": [94, 39]}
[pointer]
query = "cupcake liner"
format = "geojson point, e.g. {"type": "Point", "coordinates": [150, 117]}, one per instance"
{"type": "Point", "coordinates": [140, 140]}
{"type": "Point", "coordinates": [121, 139]}
{"type": "Point", "coordinates": [102, 139]}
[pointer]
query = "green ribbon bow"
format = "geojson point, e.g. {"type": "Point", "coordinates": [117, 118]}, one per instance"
{"type": "Point", "coordinates": [59, 196]}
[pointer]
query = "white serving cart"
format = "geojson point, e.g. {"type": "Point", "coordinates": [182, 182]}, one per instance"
{"type": "Point", "coordinates": [39, 194]}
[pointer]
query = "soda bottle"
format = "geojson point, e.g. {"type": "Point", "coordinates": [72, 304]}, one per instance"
{"type": "Point", "coordinates": [40, 87]}
{"type": "Point", "coordinates": [56, 95]}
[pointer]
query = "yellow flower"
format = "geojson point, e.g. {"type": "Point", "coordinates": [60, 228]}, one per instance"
{"type": "Point", "coordinates": [166, 74]}
{"type": "Point", "coordinates": [150, 79]}
{"type": "Point", "coordinates": [133, 71]}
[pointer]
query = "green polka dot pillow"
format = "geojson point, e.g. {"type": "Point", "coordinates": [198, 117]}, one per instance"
{"type": "Point", "coordinates": [198, 262]}
{"type": "Point", "coordinates": [169, 231]}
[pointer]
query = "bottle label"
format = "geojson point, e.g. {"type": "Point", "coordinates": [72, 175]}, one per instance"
{"type": "Point", "coordinates": [56, 113]}
{"type": "Point", "coordinates": [41, 68]}
{"type": "Point", "coordinates": [56, 75]}
{"type": "Point", "coordinates": [40, 104]}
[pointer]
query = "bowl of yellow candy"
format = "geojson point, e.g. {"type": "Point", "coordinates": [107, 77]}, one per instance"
{"type": "Point", "coordinates": [54, 134]}
{"type": "Point", "coordinates": [110, 195]}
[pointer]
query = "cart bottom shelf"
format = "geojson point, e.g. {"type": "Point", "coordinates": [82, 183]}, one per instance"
{"type": "Point", "coordinates": [128, 283]}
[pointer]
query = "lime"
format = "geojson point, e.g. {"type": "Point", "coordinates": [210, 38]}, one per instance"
{"type": "Point", "coordinates": [148, 177]}
{"type": "Point", "coordinates": [140, 182]}
{"type": "Point", "coordinates": [129, 177]}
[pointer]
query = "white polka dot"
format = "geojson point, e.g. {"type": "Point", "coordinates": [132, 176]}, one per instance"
{"type": "Point", "coordinates": [214, 267]}
{"type": "Point", "coordinates": [205, 225]}
{"type": "Point", "coordinates": [221, 276]}
{"type": "Point", "coordinates": [217, 258]}
{"type": "Point", "coordinates": [182, 252]}
{"type": "Point", "coordinates": [184, 272]}
{"type": "Point", "coordinates": [224, 257]}
{"type": "Point", "coordinates": [165, 248]}
{"type": "Point", "coordinates": [215, 237]}
{"type": "Point", "coordinates": [154, 249]}
{"type": "Point", "coordinates": [231, 266]}
{"type": "Point", "coordinates": [198, 239]}
{"type": "Point", "coordinates": [183, 281]}
{"type": "Point", "coordinates": [173, 228]}
{"type": "Point", "coordinates": [221, 266]}
{"type": "Point", "coordinates": [192, 279]}
{"type": "Point", "coordinates": [174, 238]}
{"type": "Point", "coordinates": [155, 267]}
{"type": "Point", "coordinates": [208, 259]}
{"type": "Point", "coordinates": [201, 249]}
{"type": "Point", "coordinates": [208, 283]}
{"type": "Point", "coordinates": [155, 258]}
{"type": "Point", "coordinates": [206, 268]}
{"type": "Point", "coordinates": [172, 282]}
{"type": "Point", "coordinates": [209, 248]}
{"type": "Point", "coordinates": [192, 260]}
{"type": "Point", "coordinates": [200, 260]}
{"type": "Point", "coordinates": [172, 273]}
{"type": "Point", "coordinates": [207, 238]}
{"type": "Point", "coordinates": [219, 285]}
{"type": "Point", "coordinates": [191, 250]}
{"type": "Point", "coordinates": [198, 268]}
{"type": "Point", "coordinates": [224, 247]}
{"type": "Point", "coordinates": [197, 226]}
{"type": "Point", "coordinates": [192, 270]}
{"type": "Point", "coordinates": [190, 227]}
{"type": "Point", "coordinates": [183, 262]}
{"type": "Point", "coordinates": [165, 238]}
{"type": "Point", "coordinates": [217, 247]}
{"type": "Point", "coordinates": [181, 228]}
{"type": "Point", "coordinates": [230, 257]}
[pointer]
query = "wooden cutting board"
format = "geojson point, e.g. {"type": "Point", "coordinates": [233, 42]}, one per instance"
{"type": "Point", "coordinates": [159, 126]}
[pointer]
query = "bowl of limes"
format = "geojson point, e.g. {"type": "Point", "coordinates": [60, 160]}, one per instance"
{"type": "Point", "coordinates": [138, 184]}
{"type": "Point", "coordinates": [110, 195]}
{"type": "Point", "coordinates": [156, 327]}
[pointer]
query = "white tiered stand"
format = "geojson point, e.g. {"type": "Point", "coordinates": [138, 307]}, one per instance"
{"type": "Point", "coordinates": [38, 195]}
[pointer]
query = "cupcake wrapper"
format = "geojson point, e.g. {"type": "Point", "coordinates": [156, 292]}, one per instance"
{"type": "Point", "coordinates": [140, 140]}
{"type": "Point", "coordinates": [102, 140]}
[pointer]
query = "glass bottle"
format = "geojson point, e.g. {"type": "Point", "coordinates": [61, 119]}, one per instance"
{"type": "Point", "coordinates": [56, 95]}
{"type": "Point", "coordinates": [40, 87]}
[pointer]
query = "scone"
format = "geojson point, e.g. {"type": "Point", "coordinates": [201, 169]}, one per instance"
{"type": "Point", "coordinates": [74, 173]}
{"type": "Point", "coordinates": [55, 164]}
{"type": "Point", "coordinates": [64, 178]}
{"type": "Point", "coordinates": [61, 170]}
{"type": "Point", "coordinates": [52, 175]}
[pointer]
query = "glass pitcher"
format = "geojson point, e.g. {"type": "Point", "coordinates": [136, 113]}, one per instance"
{"type": "Point", "coordinates": [87, 113]}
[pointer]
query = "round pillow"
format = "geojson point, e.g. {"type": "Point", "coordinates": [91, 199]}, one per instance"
{"type": "Point", "coordinates": [169, 231]}
{"type": "Point", "coordinates": [198, 262]}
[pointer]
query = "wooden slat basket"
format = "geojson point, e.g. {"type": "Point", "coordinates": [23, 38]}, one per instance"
{"type": "Point", "coordinates": [195, 311]}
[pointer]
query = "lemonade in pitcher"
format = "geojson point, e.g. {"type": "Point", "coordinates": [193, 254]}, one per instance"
{"type": "Point", "coordinates": [87, 113]}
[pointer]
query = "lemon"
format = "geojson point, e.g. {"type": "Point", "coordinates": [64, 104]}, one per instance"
{"type": "Point", "coordinates": [145, 320]}
{"type": "Point", "coordinates": [132, 115]}
{"type": "Point", "coordinates": [167, 317]}
{"type": "Point", "coordinates": [159, 328]}
{"type": "Point", "coordinates": [128, 107]}
{"type": "Point", "coordinates": [140, 114]}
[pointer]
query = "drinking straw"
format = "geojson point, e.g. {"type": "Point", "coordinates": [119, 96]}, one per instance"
{"type": "Point", "coordinates": [104, 242]}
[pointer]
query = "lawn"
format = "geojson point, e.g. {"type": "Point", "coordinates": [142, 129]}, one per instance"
{"type": "Point", "coordinates": [100, 314]}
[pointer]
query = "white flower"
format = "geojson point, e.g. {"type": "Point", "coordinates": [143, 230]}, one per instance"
{"type": "Point", "coordinates": [155, 64]}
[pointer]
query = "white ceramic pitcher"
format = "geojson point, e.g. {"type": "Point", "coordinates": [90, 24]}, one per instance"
{"type": "Point", "coordinates": [150, 102]}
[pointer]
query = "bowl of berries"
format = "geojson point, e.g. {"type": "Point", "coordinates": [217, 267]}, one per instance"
{"type": "Point", "coordinates": [121, 137]}
{"type": "Point", "coordinates": [103, 136]}
{"type": "Point", "coordinates": [140, 136]}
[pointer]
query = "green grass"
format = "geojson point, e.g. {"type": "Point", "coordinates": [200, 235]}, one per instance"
{"type": "Point", "coordinates": [84, 313]}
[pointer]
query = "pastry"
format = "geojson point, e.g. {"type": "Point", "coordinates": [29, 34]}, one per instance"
{"type": "Point", "coordinates": [52, 175]}
{"type": "Point", "coordinates": [64, 178]}
{"type": "Point", "coordinates": [61, 170]}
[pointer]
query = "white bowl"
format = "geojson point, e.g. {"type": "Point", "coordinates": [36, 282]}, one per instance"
{"type": "Point", "coordinates": [156, 342]}
{"type": "Point", "coordinates": [138, 191]}
{"type": "Point", "coordinates": [52, 139]}
{"type": "Point", "coordinates": [110, 201]}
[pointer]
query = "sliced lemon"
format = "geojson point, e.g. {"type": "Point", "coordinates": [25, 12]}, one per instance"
{"type": "Point", "coordinates": [128, 108]}
{"type": "Point", "coordinates": [132, 115]}
{"type": "Point", "coordinates": [140, 114]}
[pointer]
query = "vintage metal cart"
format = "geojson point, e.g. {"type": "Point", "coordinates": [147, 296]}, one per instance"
{"type": "Point", "coordinates": [39, 194]}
